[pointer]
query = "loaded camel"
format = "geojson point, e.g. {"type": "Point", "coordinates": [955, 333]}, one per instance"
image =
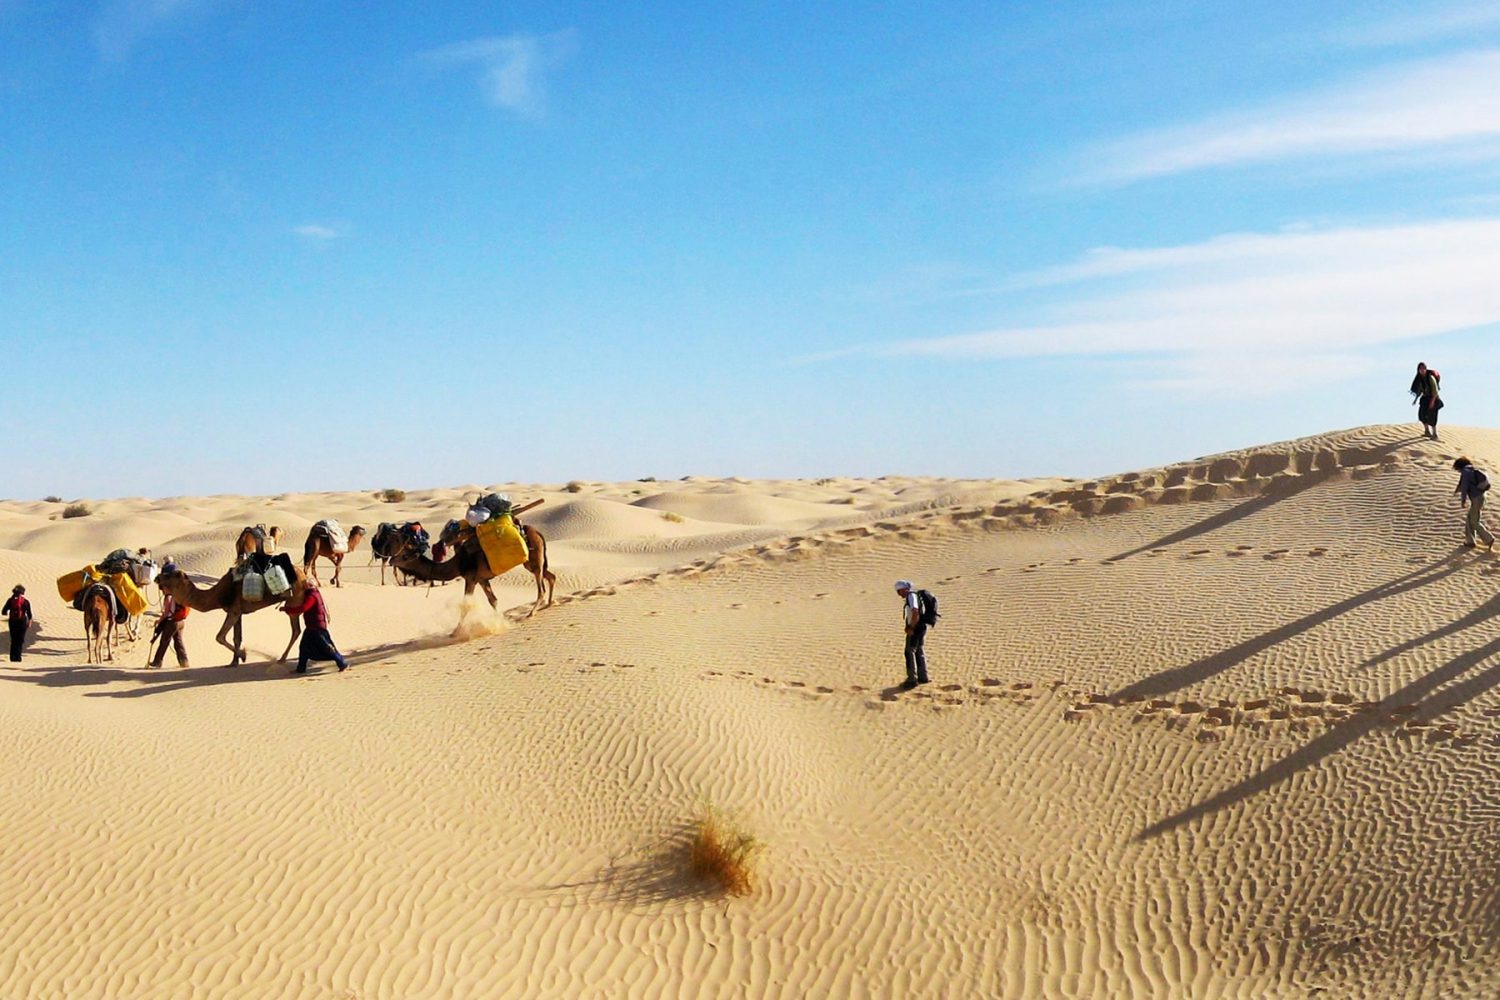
{"type": "Point", "coordinates": [227, 596]}
{"type": "Point", "coordinates": [319, 544]}
{"type": "Point", "coordinates": [388, 542]}
{"type": "Point", "coordinates": [469, 564]}
{"type": "Point", "coordinates": [98, 624]}
{"type": "Point", "coordinates": [257, 539]}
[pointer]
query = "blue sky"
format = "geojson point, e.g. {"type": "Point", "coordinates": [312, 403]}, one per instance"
{"type": "Point", "coordinates": [255, 247]}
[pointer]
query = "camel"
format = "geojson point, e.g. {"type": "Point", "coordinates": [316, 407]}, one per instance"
{"type": "Point", "coordinates": [227, 596]}
{"type": "Point", "coordinates": [468, 562]}
{"type": "Point", "coordinates": [98, 624]}
{"type": "Point", "coordinates": [257, 538]}
{"type": "Point", "coordinates": [320, 544]}
{"type": "Point", "coordinates": [385, 545]}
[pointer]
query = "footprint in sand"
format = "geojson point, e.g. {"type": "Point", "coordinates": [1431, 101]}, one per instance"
{"type": "Point", "coordinates": [1276, 554]}
{"type": "Point", "coordinates": [990, 682]}
{"type": "Point", "coordinates": [1317, 553]}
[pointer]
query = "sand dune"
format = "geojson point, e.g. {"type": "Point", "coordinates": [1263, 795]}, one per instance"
{"type": "Point", "coordinates": [1227, 728]}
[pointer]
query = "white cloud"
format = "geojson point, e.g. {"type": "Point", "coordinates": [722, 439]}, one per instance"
{"type": "Point", "coordinates": [1439, 22]}
{"type": "Point", "coordinates": [1230, 310]}
{"type": "Point", "coordinates": [120, 24]}
{"type": "Point", "coordinates": [318, 233]}
{"type": "Point", "coordinates": [1453, 101]}
{"type": "Point", "coordinates": [512, 68]}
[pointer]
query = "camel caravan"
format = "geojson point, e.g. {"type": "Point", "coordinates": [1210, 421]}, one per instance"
{"type": "Point", "coordinates": [488, 542]}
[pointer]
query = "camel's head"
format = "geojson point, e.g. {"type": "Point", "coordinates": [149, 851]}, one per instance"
{"type": "Point", "coordinates": [276, 532]}
{"type": "Point", "coordinates": [171, 580]}
{"type": "Point", "coordinates": [355, 534]}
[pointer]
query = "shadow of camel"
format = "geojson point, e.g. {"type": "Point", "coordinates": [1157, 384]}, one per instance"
{"type": "Point", "coordinates": [1346, 732]}
{"type": "Point", "coordinates": [1169, 680]}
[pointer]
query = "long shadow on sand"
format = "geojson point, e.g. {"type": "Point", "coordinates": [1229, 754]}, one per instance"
{"type": "Point", "coordinates": [159, 681]}
{"type": "Point", "coordinates": [650, 878]}
{"type": "Point", "coordinates": [1346, 732]}
{"type": "Point", "coordinates": [1166, 681]}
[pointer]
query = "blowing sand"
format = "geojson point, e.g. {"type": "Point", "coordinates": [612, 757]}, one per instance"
{"type": "Point", "coordinates": [1226, 728]}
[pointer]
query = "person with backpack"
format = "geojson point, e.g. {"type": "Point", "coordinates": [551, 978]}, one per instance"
{"type": "Point", "coordinates": [918, 613]}
{"type": "Point", "coordinates": [1424, 390]}
{"type": "Point", "coordinates": [1472, 486]}
{"type": "Point", "coordinates": [18, 610]}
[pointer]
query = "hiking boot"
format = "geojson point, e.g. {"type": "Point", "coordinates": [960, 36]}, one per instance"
{"type": "Point", "coordinates": [923, 680]}
{"type": "Point", "coordinates": [907, 684]}
{"type": "Point", "coordinates": [300, 670]}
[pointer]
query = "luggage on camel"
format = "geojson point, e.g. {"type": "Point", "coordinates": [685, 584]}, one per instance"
{"type": "Point", "coordinates": [69, 584]}
{"type": "Point", "coordinates": [121, 584]}
{"type": "Point", "coordinates": [503, 544]}
{"type": "Point", "coordinates": [276, 581]}
{"type": "Point", "coordinates": [253, 586]}
{"type": "Point", "coordinates": [130, 596]}
{"type": "Point", "coordinates": [338, 538]}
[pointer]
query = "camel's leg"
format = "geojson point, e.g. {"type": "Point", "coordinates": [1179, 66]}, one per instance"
{"type": "Point", "coordinates": [296, 631]}
{"type": "Point", "coordinates": [338, 567]}
{"type": "Point", "coordinates": [494, 604]}
{"type": "Point", "coordinates": [231, 621]}
{"type": "Point", "coordinates": [111, 637]}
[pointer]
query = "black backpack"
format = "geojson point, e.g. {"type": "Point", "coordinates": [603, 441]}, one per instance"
{"type": "Point", "coordinates": [927, 602]}
{"type": "Point", "coordinates": [1481, 481]}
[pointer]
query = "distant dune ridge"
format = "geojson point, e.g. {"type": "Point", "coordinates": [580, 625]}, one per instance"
{"type": "Point", "coordinates": [1227, 728]}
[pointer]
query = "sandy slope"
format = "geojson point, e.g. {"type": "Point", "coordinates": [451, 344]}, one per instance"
{"type": "Point", "coordinates": [1227, 728]}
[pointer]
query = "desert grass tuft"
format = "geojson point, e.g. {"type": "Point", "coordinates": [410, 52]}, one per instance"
{"type": "Point", "coordinates": [77, 510]}
{"type": "Point", "coordinates": [573, 487]}
{"type": "Point", "coordinates": [722, 851]}
{"type": "Point", "coordinates": [668, 515]}
{"type": "Point", "coordinates": [51, 499]}
{"type": "Point", "coordinates": [391, 495]}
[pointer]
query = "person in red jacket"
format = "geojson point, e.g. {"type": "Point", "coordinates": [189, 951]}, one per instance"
{"type": "Point", "coordinates": [18, 610]}
{"type": "Point", "coordinates": [317, 643]}
{"type": "Point", "coordinates": [169, 629]}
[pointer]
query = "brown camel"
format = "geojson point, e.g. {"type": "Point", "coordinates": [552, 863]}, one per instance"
{"type": "Point", "coordinates": [469, 564]}
{"type": "Point", "coordinates": [98, 624]}
{"type": "Point", "coordinates": [226, 596]}
{"type": "Point", "coordinates": [258, 538]}
{"type": "Point", "coordinates": [319, 544]}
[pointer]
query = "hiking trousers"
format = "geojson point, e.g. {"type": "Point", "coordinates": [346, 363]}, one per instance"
{"type": "Point", "coordinates": [17, 639]}
{"type": "Point", "coordinates": [916, 656]}
{"type": "Point", "coordinates": [170, 632]}
{"type": "Point", "coordinates": [1473, 526]}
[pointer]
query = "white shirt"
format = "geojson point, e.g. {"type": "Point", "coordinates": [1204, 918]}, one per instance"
{"type": "Point", "coordinates": [911, 613]}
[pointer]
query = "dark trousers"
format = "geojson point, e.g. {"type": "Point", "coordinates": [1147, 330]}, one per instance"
{"type": "Point", "coordinates": [17, 639]}
{"type": "Point", "coordinates": [916, 656]}
{"type": "Point", "coordinates": [170, 632]}
{"type": "Point", "coordinates": [317, 644]}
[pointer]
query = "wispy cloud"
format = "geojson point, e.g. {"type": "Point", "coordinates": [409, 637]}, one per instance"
{"type": "Point", "coordinates": [512, 68]}
{"type": "Point", "coordinates": [120, 24]}
{"type": "Point", "coordinates": [317, 233]}
{"type": "Point", "coordinates": [1230, 311]}
{"type": "Point", "coordinates": [1417, 26]}
{"type": "Point", "coordinates": [1449, 102]}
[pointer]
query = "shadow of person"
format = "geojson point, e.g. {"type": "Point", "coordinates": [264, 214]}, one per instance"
{"type": "Point", "coordinates": [1349, 730]}
{"type": "Point", "coordinates": [1169, 680]}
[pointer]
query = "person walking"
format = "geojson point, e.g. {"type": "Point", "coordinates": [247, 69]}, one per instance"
{"type": "Point", "coordinates": [317, 643]}
{"type": "Point", "coordinates": [169, 628]}
{"type": "Point", "coordinates": [916, 634]}
{"type": "Point", "coordinates": [1425, 393]}
{"type": "Point", "coordinates": [18, 610]}
{"type": "Point", "coordinates": [1472, 486]}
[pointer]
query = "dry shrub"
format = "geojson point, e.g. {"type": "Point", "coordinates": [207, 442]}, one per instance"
{"type": "Point", "coordinates": [646, 479]}
{"type": "Point", "coordinates": [77, 510]}
{"type": "Point", "coordinates": [573, 487]}
{"type": "Point", "coordinates": [51, 499]}
{"type": "Point", "coordinates": [723, 851]}
{"type": "Point", "coordinates": [667, 515]}
{"type": "Point", "coordinates": [391, 495]}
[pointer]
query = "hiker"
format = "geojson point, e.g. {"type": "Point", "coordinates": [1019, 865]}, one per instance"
{"type": "Point", "coordinates": [18, 610]}
{"type": "Point", "coordinates": [169, 628]}
{"type": "Point", "coordinates": [1424, 391]}
{"type": "Point", "coordinates": [317, 643]}
{"type": "Point", "coordinates": [916, 634]}
{"type": "Point", "coordinates": [1472, 486]}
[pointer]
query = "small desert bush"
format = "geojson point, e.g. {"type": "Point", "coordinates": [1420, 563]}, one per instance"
{"type": "Point", "coordinates": [77, 510]}
{"type": "Point", "coordinates": [667, 515]}
{"type": "Point", "coordinates": [391, 495]}
{"type": "Point", "coordinates": [51, 499]}
{"type": "Point", "coordinates": [573, 487]}
{"type": "Point", "coordinates": [723, 851]}
{"type": "Point", "coordinates": [646, 479]}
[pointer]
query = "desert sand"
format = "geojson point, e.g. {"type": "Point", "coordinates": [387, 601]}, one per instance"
{"type": "Point", "coordinates": [1227, 728]}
